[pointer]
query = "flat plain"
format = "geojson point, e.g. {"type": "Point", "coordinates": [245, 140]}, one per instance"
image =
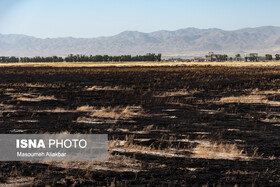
{"type": "Point", "coordinates": [179, 125]}
{"type": "Point", "coordinates": [139, 64]}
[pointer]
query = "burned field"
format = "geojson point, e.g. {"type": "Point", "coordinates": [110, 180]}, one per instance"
{"type": "Point", "coordinates": [176, 126]}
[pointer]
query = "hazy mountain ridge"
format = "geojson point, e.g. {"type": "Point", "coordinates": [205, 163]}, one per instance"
{"type": "Point", "coordinates": [184, 42]}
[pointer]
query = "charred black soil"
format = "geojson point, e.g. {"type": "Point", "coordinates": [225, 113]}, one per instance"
{"type": "Point", "coordinates": [167, 126]}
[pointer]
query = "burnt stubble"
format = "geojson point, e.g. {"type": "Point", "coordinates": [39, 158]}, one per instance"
{"type": "Point", "coordinates": [177, 126]}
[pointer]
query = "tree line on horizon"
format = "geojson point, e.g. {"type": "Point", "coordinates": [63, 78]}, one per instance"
{"type": "Point", "coordinates": [83, 58]}
{"type": "Point", "coordinates": [212, 57]}
{"type": "Point", "coordinates": [125, 58]}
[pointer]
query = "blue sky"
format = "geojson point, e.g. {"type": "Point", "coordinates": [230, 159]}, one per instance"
{"type": "Point", "coordinates": [93, 18]}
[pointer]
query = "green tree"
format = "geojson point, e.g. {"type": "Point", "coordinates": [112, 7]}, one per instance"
{"type": "Point", "coordinates": [237, 57]}
{"type": "Point", "coordinates": [158, 58]}
{"type": "Point", "coordinates": [268, 57]}
{"type": "Point", "coordinates": [277, 57]}
{"type": "Point", "coordinates": [224, 57]}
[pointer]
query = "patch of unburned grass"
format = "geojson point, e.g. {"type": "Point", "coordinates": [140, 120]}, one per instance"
{"type": "Point", "coordinates": [59, 110]}
{"type": "Point", "coordinates": [107, 88]}
{"type": "Point", "coordinates": [174, 93]}
{"type": "Point", "coordinates": [102, 88]}
{"type": "Point", "coordinates": [36, 99]}
{"type": "Point", "coordinates": [116, 112]}
{"type": "Point", "coordinates": [245, 99]}
{"type": "Point", "coordinates": [116, 163]}
{"type": "Point", "coordinates": [218, 151]}
{"type": "Point", "coordinates": [85, 108]}
{"type": "Point", "coordinates": [128, 146]}
{"type": "Point", "coordinates": [265, 92]}
{"type": "Point", "coordinates": [36, 85]}
{"type": "Point", "coordinates": [255, 97]}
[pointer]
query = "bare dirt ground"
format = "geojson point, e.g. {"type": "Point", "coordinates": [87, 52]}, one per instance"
{"type": "Point", "coordinates": [167, 126]}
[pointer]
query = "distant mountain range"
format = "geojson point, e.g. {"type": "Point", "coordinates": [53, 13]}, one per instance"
{"type": "Point", "coordinates": [187, 42]}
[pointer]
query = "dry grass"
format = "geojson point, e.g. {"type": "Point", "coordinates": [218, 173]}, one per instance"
{"type": "Point", "coordinates": [37, 85]}
{"type": "Point", "coordinates": [65, 132]}
{"type": "Point", "coordinates": [249, 99]}
{"type": "Point", "coordinates": [218, 151]}
{"type": "Point", "coordinates": [18, 181]}
{"type": "Point", "coordinates": [102, 88]}
{"type": "Point", "coordinates": [56, 110]}
{"type": "Point", "coordinates": [85, 108]}
{"type": "Point", "coordinates": [255, 97]}
{"type": "Point", "coordinates": [109, 114]}
{"type": "Point", "coordinates": [108, 88]}
{"type": "Point", "coordinates": [9, 89]}
{"type": "Point", "coordinates": [32, 97]}
{"type": "Point", "coordinates": [129, 64]}
{"type": "Point", "coordinates": [116, 113]}
{"type": "Point", "coordinates": [59, 110]}
{"type": "Point", "coordinates": [265, 92]}
{"type": "Point", "coordinates": [245, 99]}
{"type": "Point", "coordinates": [36, 99]}
{"type": "Point", "coordinates": [271, 120]}
{"type": "Point", "coordinates": [116, 163]}
{"type": "Point", "coordinates": [17, 86]}
{"type": "Point", "coordinates": [148, 128]}
{"type": "Point", "coordinates": [7, 108]}
{"type": "Point", "coordinates": [130, 147]}
{"type": "Point", "coordinates": [174, 93]}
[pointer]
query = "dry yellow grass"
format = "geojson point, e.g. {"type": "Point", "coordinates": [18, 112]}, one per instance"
{"type": "Point", "coordinates": [245, 99]}
{"type": "Point", "coordinates": [114, 113]}
{"type": "Point", "coordinates": [218, 151]}
{"type": "Point", "coordinates": [36, 99]}
{"type": "Point", "coordinates": [174, 93]}
{"type": "Point", "coordinates": [116, 163]}
{"type": "Point", "coordinates": [98, 88]}
{"type": "Point", "coordinates": [256, 96]}
{"type": "Point", "coordinates": [120, 64]}
{"type": "Point", "coordinates": [204, 149]}
{"type": "Point", "coordinates": [64, 132]}
{"type": "Point", "coordinates": [250, 99]}
{"type": "Point", "coordinates": [58, 110]}
{"type": "Point", "coordinates": [102, 88]}
{"type": "Point", "coordinates": [37, 85]}
{"type": "Point", "coordinates": [265, 92]}
{"type": "Point", "coordinates": [85, 108]}
{"type": "Point", "coordinates": [128, 146]}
